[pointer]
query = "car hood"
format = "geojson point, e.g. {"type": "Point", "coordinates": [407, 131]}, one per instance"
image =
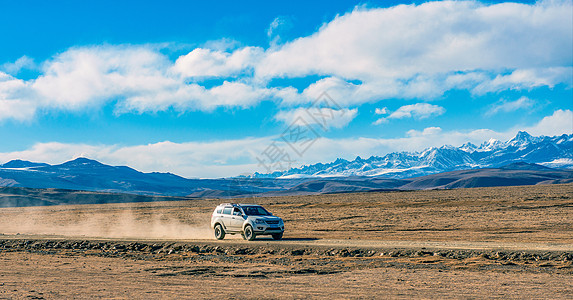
{"type": "Point", "coordinates": [266, 218]}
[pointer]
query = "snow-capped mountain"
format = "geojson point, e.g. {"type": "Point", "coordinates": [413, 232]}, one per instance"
{"type": "Point", "coordinates": [554, 152]}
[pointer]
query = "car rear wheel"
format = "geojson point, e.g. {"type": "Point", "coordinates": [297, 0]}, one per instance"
{"type": "Point", "coordinates": [277, 236]}
{"type": "Point", "coordinates": [248, 233]}
{"type": "Point", "coordinates": [219, 232]}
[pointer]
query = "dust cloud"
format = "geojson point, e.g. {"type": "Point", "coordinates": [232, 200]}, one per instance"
{"type": "Point", "coordinates": [124, 224]}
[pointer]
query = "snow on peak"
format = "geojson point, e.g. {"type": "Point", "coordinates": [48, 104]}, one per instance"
{"type": "Point", "coordinates": [493, 153]}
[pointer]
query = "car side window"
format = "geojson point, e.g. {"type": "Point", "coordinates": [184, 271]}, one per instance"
{"type": "Point", "coordinates": [219, 210]}
{"type": "Point", "coordinates": [227, 210]}
{"type": "Point", "coordinates": [237, 212]}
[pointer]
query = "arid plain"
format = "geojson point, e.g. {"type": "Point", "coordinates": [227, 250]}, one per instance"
{"type": "Point", "coordinates": [514, 242]}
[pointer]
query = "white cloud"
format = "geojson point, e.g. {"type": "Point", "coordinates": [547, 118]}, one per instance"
{"type": "Point", "coordinates": [213, 63]}
{"type": "Point", "coordinates": [434, 37]}
{"type": "Point", "coordinates": [196, 97]}
{"type": "Point", "coordinates": [425, 49]}
{"type": "Point", "coordinates": [278, 24]}
{"type": "Point", "coordinates": [527, 79]}
{"type": "Point", "coordinates": [21, 63]}
{"type": "Point", "coordinates": [380, 121]}
{"type": "Point", "coordinates": [91, 76]}
{"type": "Point", "coordinates": [560, 122]}
{"type": "Point", "coordinates": [223, 44]}
{"type": "Point", "coordinates": [381, 111]}
{"type": "Point", "coordinates": [16, 109]}
{"type": "Point", "coordinates": [348, 93]}
{"type": "Point", "coordinates": [426, 132]}
{"type": "Point", "coordinates": [136, 78]}
{"type": "Point", "coordinates": [510, 106]}
{"type": "Point", "coordinates": [417, 111]}
{"type": "Point", "coordinates": [13, 102]}
{"type": "Point", "coordinates": [406, 51]}
{"type": "Point", "coordinates": [326, 117]}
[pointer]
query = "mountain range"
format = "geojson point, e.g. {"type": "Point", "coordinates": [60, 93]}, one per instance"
{"type": "Point", "coordinates": [101, 190]}
{"type": "Point", "coordinates": [555, 152]}
{"type": "Point", "coordinates": [91, 175]}
{"type": "Point", "coordinates": [524, 160]}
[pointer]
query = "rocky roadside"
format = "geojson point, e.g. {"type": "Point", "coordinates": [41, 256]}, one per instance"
{"type": "Point", "coordinates": [231, 259]}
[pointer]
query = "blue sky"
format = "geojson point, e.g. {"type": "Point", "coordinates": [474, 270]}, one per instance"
{"type": "Point", "coordinates": [208, 89]}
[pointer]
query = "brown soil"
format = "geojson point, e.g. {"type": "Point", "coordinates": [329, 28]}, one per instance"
{"type": "Point", "coordinates": [512, 242]}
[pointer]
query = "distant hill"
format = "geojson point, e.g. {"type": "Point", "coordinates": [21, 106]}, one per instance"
{"type": "Point", "coordinates": [523, 174]}
{"type": "Point", "coordinates": [504, 176]}
{"type": "Point", "coordinates": [21, 197]}
{"type": "Point", "coordinates": [510, 175]}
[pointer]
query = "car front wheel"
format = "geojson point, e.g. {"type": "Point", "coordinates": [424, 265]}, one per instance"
{"type": "Point", "coordinates": [219, 232]}
{"type": "Point", "coordinates": [249, 233]}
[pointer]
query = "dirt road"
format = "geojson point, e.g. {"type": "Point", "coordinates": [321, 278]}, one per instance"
{"type": "Point", "coordinates": [465, 245]}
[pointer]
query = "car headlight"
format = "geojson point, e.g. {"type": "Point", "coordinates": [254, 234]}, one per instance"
{"type": "Point", "coordinates": [259, 221]}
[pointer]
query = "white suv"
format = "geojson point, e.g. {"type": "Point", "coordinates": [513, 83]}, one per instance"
{"type": "Point", "coordinates": [250, 220]}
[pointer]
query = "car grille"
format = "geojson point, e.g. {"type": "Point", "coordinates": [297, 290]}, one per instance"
{"type": "Point", "coordinates": [272, 222]}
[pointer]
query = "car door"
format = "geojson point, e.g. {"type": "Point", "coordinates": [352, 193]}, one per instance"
{"type": "Point", "coordinates": [237, 219]}
{"type": "Point", "coordinates": [226, 216]}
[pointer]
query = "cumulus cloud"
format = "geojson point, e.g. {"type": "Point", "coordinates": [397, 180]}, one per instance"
{"type": "Point", "coordinates": [381, 111]}
{"type": "Point", "coordinates": [326, 117]}
{"type": "Point", "coordinates": [14, 101]}
{"type": "Point", "coordinates": [426, 132]}
{"type": "Point", "coordinates": [214, 63]}
{"type": "Point", "coordinates": [16, 109]}
{"type": "Point", "coordinates": [367, 55]}
{"type": "Point", "coordinates": [434, 37]}
{"type": "Point", "coordinates": [417, 111]}
{"type": "Point", "coordinates": [510, 106]}
{"type": "Point", "coordinates": [424, 50]}
{"type": "Point", "coordinates": [196, 97]}
{"type": "Point", "coordinates": [527, 79]}
{"type": "Point", "coordinates": [136, 78]}
{"type": "Point", "coordinates": [560, 122]}
{"type": "Point", "coordinates": [223, 44]}
{"type": "Point", "coordinates": [91, 76]}
{"type": "Point", "coordinates": [20, 64]}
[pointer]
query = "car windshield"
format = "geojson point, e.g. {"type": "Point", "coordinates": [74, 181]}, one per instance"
{"type": "Point", "coordinates": [255, 211]}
